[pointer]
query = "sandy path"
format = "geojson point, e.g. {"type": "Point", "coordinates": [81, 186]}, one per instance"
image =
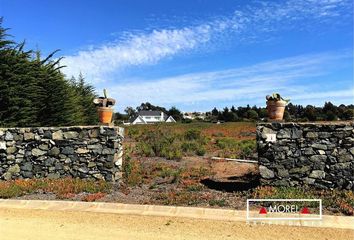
{"type": "Point", "coordinates": [40, 224]}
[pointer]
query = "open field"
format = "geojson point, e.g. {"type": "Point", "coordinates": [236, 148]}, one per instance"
{"type": "Point", "coordinates": [39, 224]}
{"type": "Point", "coordinates": [237, 130]}
{"type": "Point", "coordinates": [174, 141]}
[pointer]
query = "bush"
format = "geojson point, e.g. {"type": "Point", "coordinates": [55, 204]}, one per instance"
{"type": "Point", "coordinates": [93, 197]}
{"type": "Point", "coordinates": [187, 120]}
{"type": "Point", "coordinates": [132, 171]}
{"type": "Point", "coordinates": [236, 148]}
{"type": "Point", "coordinates": [227, 143]}
{"type": "Point", "coordinates": [217, 202]}
{"type": "Point", "coordinates": [200, 151]}
{"type": "Point", "coordinates": [171, 152]}
{"type": "Point", "coordinates": [252, 114]}
{"type": "Point", "coordinates": [218, 134]}
{"type": "Point", "coordinates": [193, 147]}
{"type": "Point", "coordinates": [145, 149]}
{"type": "Point", "coordinates": [178, 198]}
{"type": "Point", "coordinates": [247, 147]}
{"type": "Point", "coordinates": [192, 134]}
{"type": "Point", "coordinates": [133, 132]}
{"type": "Point", "coordinates": [163, 143]}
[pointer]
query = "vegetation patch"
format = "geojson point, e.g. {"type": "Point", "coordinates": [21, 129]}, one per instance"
{"type": "Point", "coordinates": [232, 148]}
{"type": "Point", "coordinates": [138, 172]}
{"type": "Point", "coordinates": [170, 145]}
{"type": "Point", "coordinates": [174, 141]}
{"type": "Point", "coordinates": [62, 188]}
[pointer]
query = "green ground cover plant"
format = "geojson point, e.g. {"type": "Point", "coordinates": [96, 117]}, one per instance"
{"type": "Point", "coordinates": [62, 188]}
{"type": "Point", "coordinates": [232, 148]}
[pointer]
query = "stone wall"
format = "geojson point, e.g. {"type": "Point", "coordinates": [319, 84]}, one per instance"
{"type": "Point", "coordinates": [53, 152]}
{"type": "Point", "coordinates": [315, 154]}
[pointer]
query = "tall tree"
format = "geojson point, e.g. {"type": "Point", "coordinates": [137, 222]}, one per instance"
{"type": "Point", "coordinates": [175, 113]}
{"type": "Point", "coordinates": [33, 91]}
{"type": "Point", "coordinates": [130, 112]}
{"type": "Point", "coordinates": [148, 106]}
{"type": "Point", "coordinates": [214, 112]}
{"type": "Point", "coordinates": [86, 94]}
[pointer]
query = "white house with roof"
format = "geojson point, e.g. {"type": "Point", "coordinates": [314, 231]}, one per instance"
{"type": "Point", "coordinates": [150, 117]}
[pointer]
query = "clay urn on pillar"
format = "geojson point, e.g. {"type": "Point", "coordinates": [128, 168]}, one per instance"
{"type": "Point", "coordinates": [104, 108]}
{"type": "Point", "coordinates": [276, 106]}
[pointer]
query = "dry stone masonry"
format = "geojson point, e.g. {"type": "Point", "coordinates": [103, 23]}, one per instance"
{"type": "Point", "coordinates": [316, 154]}
{"type": "Point", "coordinates": [53, 152]}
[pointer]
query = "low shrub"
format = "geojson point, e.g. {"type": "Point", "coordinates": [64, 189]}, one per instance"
{"type": "Point", "coordinates": [192, 134]}
{"type": "Point", "coordinates": [178, 198]}
{"type": "Point", "coordinates": [172, 151]}
{"type": "Point", "coordinates": [93, 197]}
{"type": "Point", "coordinates": [218, 134]}
{"type": "Point", "coordinates": [227, 143]}
{"type": "Point", "coordinates": [160, 143]}
{"type": "Point", "coordinates": [61, 187]}
{"type": "Point", "coordinates": [132, 172]}
{"type": "Point", "coordinates": [236, 148]}
{"type": "Point", "coordinates": [133, 132]}
{"type": "Point", "coordinates": [200, 151]}
{"type": "Point", "coordinates": [218, 202]}
{"type": "Point", "coordinates": [195, 188]}
{"type": "Point", "coordinates": [170, 172]}
{"type": "Point", "coordinates": [193, 147]}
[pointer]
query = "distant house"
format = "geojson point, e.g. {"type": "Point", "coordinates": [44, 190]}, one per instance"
{"type": "Point", "coordinates": [194, 115]}
{"type": "Point", "coordinates": [149, 117]}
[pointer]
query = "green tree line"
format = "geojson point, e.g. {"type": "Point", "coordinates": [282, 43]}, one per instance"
{"type": "Point", "coordinates": [329, 112]}
{"type": "Point", "coordinates": [34, 92]}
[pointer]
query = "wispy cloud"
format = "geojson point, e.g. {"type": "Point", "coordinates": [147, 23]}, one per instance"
{"type": "Point", "coordinates": [149, 48]}
{"type": "Point", "coordinates": [240, 85]}
{"type": "Point", "coordinates": [137, 50]}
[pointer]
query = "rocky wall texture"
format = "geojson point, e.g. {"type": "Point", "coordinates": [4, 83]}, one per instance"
{"type": "Point", "coordinates": [93, 152]}
{"type": "Point", "coordinates": [316, 154]}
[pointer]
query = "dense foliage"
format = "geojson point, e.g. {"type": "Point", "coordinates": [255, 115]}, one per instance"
{"type": "Point", "coordinates": [34, 92]}
{"type": "Point", "coordinates": [328, 112]}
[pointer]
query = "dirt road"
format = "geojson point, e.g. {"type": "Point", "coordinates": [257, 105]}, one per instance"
{"type": "Point", "coordinates": [53, 225]}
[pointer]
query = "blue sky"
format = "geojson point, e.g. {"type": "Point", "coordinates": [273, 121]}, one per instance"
{"type": "Point", "coordinates": [197, 54]}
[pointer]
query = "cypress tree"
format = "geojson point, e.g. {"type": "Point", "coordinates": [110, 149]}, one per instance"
{"type": "Point", "coordinates": [34, 92]}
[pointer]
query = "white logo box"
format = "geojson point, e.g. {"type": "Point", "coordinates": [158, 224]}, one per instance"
{"type": "Point", "coordinates": [255, 215]}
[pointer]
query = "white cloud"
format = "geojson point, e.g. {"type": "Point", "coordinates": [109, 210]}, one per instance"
{"type": "Point", "coordinates": [239, 85]}
{"type": "Point", "coordinates": [137, 50]}
{"type": "Point", "coordinates": [148, 48]}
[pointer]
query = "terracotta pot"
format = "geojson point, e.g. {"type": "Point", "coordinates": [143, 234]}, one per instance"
{"type": "Point", "coordinates": [276, 109]}
{"type": "Point", "coordinates": [105, 114]}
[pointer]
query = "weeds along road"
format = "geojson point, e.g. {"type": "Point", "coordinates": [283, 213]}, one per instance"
{"type": "Point", "coordinates": [53, 225]}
